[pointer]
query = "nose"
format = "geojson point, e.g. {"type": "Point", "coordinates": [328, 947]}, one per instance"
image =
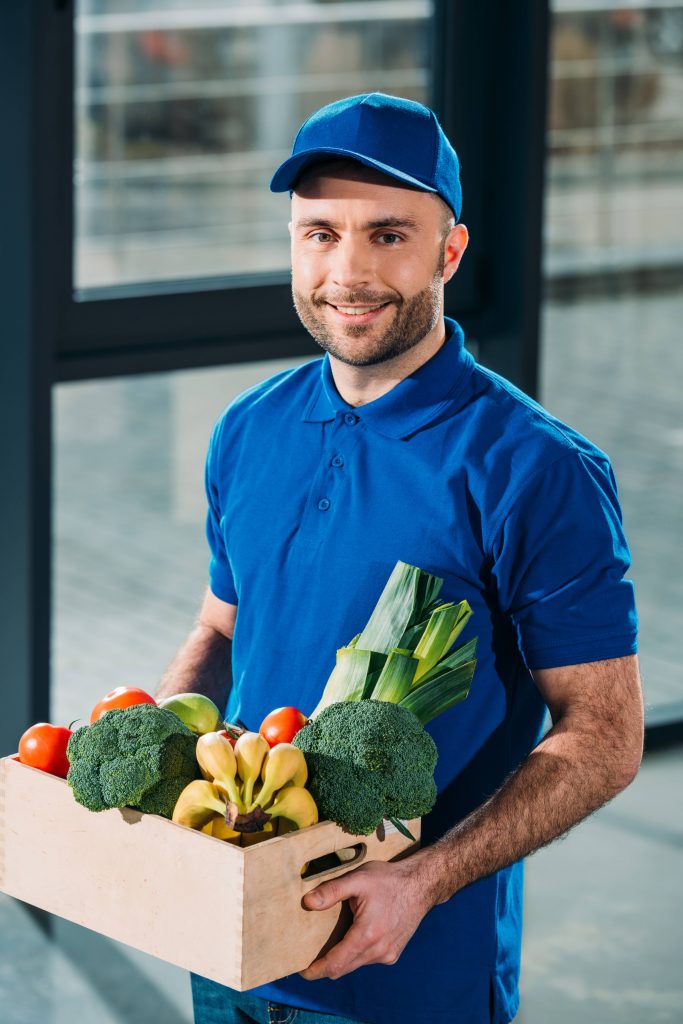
{"type": "Point", "coordinates": [350, 268]}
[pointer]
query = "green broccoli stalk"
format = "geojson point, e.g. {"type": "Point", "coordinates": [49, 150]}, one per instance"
{"type": "Point", "coordinates": [368, 760]}
{"type": "Point", "coordinates": [142, 757]}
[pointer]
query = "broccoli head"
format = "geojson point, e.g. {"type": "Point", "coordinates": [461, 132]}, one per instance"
{"type": "Point", "coordinates": [368, 760]}
{"type": "Point", "coordinates": [142, 756]}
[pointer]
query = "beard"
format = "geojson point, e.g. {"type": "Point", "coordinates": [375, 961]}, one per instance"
{"type": "Point", "coordinates": [414, 318]}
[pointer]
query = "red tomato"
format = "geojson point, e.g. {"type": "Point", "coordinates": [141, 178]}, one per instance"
{"type": "Point", "coordinates": [231, 732]}
{"type": "Point", "coordinates": [44, 746]}
{"type": "Point", "coordinates": [282, 725]}
{"type": "Point", "coordinates": [121, 697]}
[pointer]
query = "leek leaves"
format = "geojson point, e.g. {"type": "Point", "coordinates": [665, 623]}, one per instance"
{"type": "Point", "coordinates": [404, 653]}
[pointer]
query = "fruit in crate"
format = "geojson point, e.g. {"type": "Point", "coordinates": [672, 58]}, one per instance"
{"type": "Point", "coordinates": [250, 751]}
{"type": "Point", "coordinates": [285, 763]}
{"type": "Point", "coordinates": [218, 764]}
{"type": "Point", "coordinates": [253, 791]}
{"type": "Point", "coordinates": [198, 712]}
{"type": "Point", "coordinates": [295, 804]}
{"type": "Point", "coordinates": [120, 697]}
{"type": "Point", "coordinates": [197, 804]}
{"type": "Point", "coordinates": [282, 725]}
{"type": "Point", "coordinates": [44, 746]}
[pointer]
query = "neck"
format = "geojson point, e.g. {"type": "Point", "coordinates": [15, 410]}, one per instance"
{"type": "Point", "coordinates": [359, 385]}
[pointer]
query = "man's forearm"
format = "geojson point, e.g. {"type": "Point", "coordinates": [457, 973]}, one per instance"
{"type": "Point", "coordinates": [566, 777]}
{"type": "Point", "coordinates": [202, 665]}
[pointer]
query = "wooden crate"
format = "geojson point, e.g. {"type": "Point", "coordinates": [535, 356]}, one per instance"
{"type": "Point", "coordinates": [231, 914]}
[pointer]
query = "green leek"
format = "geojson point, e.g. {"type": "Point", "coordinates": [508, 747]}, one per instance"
{"type": "Point", "coordinates": [404, 653]}
{"type": "Point", "coordinates": [459, 656]}
{"type": "Point", "coordinates": [348, 678]}
{"type": "Point", "coordinates": [445, 624]}
{"type": "Point", "coordinates": [352, 678]}
{"type": "Point", "coordinates": [398, 608]}
{"type": "Point", "coordinates": [440, 693]}
{"type": "Point", "coordinates": [396, 677]}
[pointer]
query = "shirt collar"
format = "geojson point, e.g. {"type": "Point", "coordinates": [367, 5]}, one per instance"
{"type": "Point", "coordinates": [413, 402]}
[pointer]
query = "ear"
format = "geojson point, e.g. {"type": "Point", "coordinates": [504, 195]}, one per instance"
{"type": "Point", "coordinates": [289, 228]}
{"type": "Point", "coordinates": [455, 245]}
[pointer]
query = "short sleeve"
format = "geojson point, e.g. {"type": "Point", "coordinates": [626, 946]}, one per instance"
{"type": "Point", "coordinates": [221, 580]}
{"type": "Point", "coordinates": [559, 560]}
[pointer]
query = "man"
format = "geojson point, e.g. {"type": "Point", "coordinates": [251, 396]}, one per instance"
{"type": "Point", "coordinates": [397, 445]}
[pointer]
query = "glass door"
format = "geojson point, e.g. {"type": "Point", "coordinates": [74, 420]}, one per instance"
{"type": "Point", "coordinates": [611, 358]}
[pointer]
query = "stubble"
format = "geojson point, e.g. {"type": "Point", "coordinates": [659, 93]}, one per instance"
{"type": "Point", "coordinates": [413, 319]}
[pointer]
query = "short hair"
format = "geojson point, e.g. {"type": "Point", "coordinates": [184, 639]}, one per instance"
{"type": "Point", "coordinates": [448, 219]}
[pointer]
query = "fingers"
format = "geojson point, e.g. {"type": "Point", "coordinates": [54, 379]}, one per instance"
{"type": "Point", "coordinates": [378, 933]}
{"type": "Point", "coordinates": [334, 891]}
{"type": "Point", "coordinates": [357, 948]}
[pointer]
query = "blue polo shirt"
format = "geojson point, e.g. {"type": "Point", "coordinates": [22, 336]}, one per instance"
{"type": "Point", "coordinates": [312, 502]}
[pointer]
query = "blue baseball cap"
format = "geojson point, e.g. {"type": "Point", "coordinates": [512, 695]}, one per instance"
{"type": "Point", "coordinates": [399, 137]}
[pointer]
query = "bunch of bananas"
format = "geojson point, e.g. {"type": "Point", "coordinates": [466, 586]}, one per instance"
{"type": "Point", "coordinates": [249, 793]}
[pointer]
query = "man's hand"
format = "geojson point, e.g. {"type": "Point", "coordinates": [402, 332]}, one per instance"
{"type": "Point", "coordinates": [387, 903]}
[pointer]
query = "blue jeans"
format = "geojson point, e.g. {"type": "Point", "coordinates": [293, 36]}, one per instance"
{"type": "Point", "coordinates": [215, 1004]}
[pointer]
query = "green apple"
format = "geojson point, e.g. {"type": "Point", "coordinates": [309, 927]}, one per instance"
{"type": "Point", "coordinates": [194, 709]}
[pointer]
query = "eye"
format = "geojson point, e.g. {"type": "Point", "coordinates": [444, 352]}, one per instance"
{"type": "Point", "coordinates": [321, 236]}
{"type": "Point", "coordinates": [390, 238]}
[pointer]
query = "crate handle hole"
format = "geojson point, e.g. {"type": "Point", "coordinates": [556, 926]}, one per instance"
{"type": "Point", "coordinates": [330, 861]}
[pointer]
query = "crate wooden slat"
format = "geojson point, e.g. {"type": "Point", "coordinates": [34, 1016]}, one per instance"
{"type": "Point", "coordinates": [229, 913]}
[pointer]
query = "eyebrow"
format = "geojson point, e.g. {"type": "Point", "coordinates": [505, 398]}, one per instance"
{"type": "Point", "coordinates": [370, 225]}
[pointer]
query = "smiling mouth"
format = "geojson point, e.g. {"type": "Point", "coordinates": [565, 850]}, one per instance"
{"type": "Point", "coordinates": [360, 314]}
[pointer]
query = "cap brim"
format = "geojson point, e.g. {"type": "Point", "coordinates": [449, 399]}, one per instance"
{"type": "Point", "coordinates": [287, 173]}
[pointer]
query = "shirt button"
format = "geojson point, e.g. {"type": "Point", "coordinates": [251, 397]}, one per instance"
{"type": "Point", "coordinates": [337, 461]}
{"type": "Point", "coordinates": [350, 419]}
{"type": "Point", "coordinates": [324, 504]}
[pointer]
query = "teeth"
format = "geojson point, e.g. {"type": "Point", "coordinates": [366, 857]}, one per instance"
{"type": "Point", "coordinates": [357, 310]}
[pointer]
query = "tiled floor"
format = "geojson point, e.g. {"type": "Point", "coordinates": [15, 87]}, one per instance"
{"type": "Point", "coordinates": [604, 911]}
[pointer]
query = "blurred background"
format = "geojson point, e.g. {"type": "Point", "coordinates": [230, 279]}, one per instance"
{"type": "Point", "coordinates": [174, 116]}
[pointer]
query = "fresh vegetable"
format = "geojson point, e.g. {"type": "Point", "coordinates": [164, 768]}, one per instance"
{"type": "Point", "coordinates": [142, 756]}
{"type": "Point", "coordinates": [369, 760]}
{"type": "Point", "coordinates": [121, 697]}
{"type": "Point", "coordinates": [218, 764]}
{"type": "Point", "coordinates": [231, 732]}
{"type": "Point", "coordinates": [44, 746]}
{"type": "Point", "coordinates": [198, 712]}
{"type": "Point", "coordinates": [404, 653]}
{"type": "Point", "coordinates": [282, 725]}
{"type": "Point", "coordinates": [250, 750]}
